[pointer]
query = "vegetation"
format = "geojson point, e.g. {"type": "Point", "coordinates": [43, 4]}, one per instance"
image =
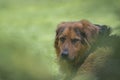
{"type": "Point", "coordinates": [27, 30]}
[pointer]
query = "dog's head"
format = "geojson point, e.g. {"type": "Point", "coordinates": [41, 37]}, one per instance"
{"type": "Point", "coordinates": [73, 39]}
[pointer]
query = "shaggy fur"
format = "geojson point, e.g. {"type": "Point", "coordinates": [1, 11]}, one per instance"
{"type": "Point", "coordinates": [84, 50]}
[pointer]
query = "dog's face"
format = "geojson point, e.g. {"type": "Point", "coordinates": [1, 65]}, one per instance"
{"type": "Point", "coordinates": [73, 38]}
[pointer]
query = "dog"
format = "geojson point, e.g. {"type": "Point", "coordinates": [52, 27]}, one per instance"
{"type": "Point", "coordinates": [84, 50]}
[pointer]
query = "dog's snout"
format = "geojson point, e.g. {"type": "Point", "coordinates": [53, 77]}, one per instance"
{"type": "Point", "coordinates": [65, 53]}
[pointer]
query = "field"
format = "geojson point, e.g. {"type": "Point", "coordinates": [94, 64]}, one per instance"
{"type": "Point", "coordinates": [27, 30]}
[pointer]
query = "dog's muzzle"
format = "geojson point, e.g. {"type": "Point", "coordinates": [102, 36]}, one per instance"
{"type": "Point", "coordinates": [65, 54]}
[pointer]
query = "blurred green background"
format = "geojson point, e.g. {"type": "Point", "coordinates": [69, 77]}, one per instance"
{"type": "Point", "coordinates": [27, 30]}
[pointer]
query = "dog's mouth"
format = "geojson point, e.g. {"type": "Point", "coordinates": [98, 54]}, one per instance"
{"type": "Point", "coordinates": [67, 58]}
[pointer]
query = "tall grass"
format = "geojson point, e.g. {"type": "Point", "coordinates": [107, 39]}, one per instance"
{"type": "Point", "coordinates": [27, 30]}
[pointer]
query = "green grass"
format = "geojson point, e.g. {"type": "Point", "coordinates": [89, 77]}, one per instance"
{"type": "Point", "coordinates": [27, 30]}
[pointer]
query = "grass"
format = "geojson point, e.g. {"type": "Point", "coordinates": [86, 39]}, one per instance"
{"type": "Point", "coordinates": [27, 30]}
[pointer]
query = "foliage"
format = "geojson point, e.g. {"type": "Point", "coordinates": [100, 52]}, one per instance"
{"type": "Point", "coordinates": [27, 30]}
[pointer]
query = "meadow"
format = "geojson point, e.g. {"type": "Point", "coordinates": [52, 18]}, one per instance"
{"type": "Point", "coordinates": [27, 32]}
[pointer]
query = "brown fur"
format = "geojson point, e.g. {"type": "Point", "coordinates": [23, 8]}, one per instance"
{"type": "Point", "coordinates": [66, 30]}
{"type": "Point", "coordinates": [78, 38]}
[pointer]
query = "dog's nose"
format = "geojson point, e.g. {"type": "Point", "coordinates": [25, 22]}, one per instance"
{"type": "Point", "coordinates": [65, 53]}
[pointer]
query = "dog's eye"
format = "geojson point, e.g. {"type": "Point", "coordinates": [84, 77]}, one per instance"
{"type": "Point", "coordinates": [62, 39]}
{"type": "Point", "coordinates": [74, 40]}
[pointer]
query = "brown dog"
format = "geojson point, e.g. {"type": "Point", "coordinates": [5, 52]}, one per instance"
{"type": "Point", "coordinates": [76, 47]}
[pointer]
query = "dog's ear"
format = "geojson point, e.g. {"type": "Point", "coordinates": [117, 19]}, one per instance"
{"type": "Point", "coordinates": [59, 30]}
{"type": "Point", "coordinates": [88, 30]}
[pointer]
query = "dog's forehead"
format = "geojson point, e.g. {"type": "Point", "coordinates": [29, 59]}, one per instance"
{"type": "Point", "coordinates": [71, 24]}
{"type": "Point", "coordinates": [70, 28]}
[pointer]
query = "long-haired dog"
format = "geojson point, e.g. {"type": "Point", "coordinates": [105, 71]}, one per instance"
{"type": "Point", "coordinates": [85, 49]}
